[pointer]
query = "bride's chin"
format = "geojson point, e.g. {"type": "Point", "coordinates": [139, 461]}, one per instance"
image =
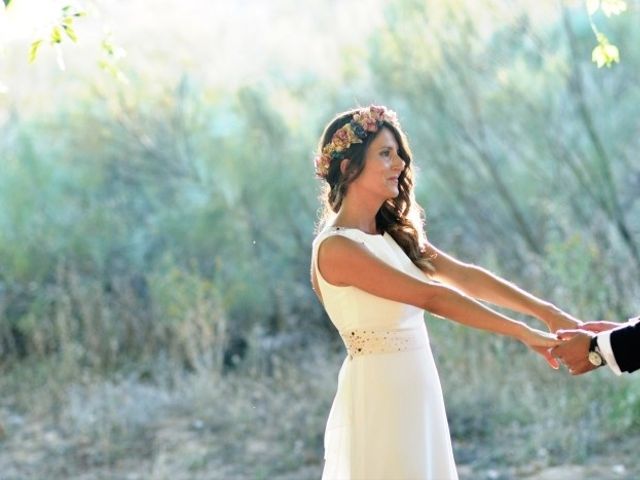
{"type": "Point", "coordinates": [393, 195]}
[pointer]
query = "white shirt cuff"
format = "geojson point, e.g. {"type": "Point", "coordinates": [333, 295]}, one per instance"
{"type": "Point", "coordinates": [604, 344]}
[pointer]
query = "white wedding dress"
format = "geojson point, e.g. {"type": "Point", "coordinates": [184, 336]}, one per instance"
{"type": "Point", "coordinates": [387, 420]}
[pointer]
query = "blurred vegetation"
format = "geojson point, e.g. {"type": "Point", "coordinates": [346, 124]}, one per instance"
{"type": "Point", "coordinates": [151, 231]}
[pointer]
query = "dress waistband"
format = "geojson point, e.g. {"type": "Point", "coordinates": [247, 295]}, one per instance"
{"type": "Point", "coordinates": [366, 341]}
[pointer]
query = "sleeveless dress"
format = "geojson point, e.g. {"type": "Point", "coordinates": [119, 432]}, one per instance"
{"type": "Point", "coordinates": [388, 419]}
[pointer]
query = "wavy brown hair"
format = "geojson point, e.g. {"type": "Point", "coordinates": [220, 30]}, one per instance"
{"type": "Point", "coordinates": [402, 217]}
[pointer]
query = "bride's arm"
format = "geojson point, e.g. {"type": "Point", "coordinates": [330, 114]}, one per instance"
{"type": "Point", "coordinates": [480, 283]}
{"type": "Point", "coordinates": [343, 262]}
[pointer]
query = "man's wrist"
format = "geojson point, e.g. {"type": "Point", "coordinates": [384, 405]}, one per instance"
{"type": "Point", "coordinates": [604, 344]}
{"type": "Point", "coordinates": [596, 358]}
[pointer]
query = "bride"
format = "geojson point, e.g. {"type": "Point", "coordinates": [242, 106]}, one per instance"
{"type": "Point", "coordinates": [375, 273]}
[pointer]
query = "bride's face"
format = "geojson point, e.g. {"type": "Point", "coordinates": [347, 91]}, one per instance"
{"type": "Point", "coordinates": [382, 166]}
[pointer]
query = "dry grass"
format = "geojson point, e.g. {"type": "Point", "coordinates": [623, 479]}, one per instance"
{"type": "Point", "coordinates": [253, 425]}
{"type": "Point", "coordinates": [202, 425]}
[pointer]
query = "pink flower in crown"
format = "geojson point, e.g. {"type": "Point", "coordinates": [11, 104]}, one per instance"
{"type": "Point", "coordinates": [322, 164]}
{"type": "Point", "coordinates": [377, 111]}
{"type": "Point", "coordinates": [383, 114]}
{"type": "Point", "coordinates": [340, 140]}
{"type": "Point", "coordinates": [391, 117]}
{"type": "Point", "coordinates": [343, 138]}
{"type": "Point", "coordinates": [369, 122]}
{"type": "Point", "coordinates": [371, 117]}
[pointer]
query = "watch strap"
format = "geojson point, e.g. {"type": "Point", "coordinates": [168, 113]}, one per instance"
{"type": "Point", "coordinates": [593, 347]}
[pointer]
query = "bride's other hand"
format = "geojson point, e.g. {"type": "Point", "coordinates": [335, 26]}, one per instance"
{"type": "Point", "coordinates": [542, 343]}
{"type": "Point", "coordinates": [557, 319]}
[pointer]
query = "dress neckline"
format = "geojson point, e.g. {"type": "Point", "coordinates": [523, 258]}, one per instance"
{"type": "Point", "coordinates": [332, 227]}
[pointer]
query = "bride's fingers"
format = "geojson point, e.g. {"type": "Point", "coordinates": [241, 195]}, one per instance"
{"type": "Point", "coordinates": [541, 339]}
{"type": "Point", "coordinates": [551, 360]}
{"type": "Point", "coordinates": [548, 342]}
{"type": "Point", "coordinates": [546, 353]}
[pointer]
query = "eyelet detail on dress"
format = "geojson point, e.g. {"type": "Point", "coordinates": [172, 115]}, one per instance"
{"type": "Point", "coordinates": [366, 342]}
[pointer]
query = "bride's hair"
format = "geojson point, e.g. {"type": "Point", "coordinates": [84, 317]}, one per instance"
{"type": "Point", "coordinates": [402, 217]}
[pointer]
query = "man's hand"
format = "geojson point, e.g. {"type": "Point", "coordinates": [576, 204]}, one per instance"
{"type": "Point", "coordinates": [574, 351]}
{"type": "Point", "coordinates": [601, 326]}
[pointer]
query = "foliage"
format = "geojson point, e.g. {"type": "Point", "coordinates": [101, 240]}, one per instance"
{"type": "Point", "coordinates": [62, 28]}
{"type": "Point", "coordinates": [137, 200]}
{"type": "Point", "coordinates": [65, 23]}
{"type": "Point", "coordinates": [604, 53]}
{"type": "Point", "coordinates": [512, 131]}
{"type": "Point", "coordinates": [157, 225]}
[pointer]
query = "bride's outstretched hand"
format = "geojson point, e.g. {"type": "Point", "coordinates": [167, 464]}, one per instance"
{"type": "Point", "coordinates": [542, 342]}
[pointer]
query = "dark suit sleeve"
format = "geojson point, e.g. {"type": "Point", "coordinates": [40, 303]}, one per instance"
{"type": "Point", "coordinates": [625, 343]}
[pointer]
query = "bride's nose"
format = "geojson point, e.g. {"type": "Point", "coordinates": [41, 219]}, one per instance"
{"type": "Point", "coordinates": [398, 162]}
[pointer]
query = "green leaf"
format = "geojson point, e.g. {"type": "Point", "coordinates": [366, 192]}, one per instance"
{"type": "Point", "coordinates": [107, 47]}
{"type": "Point", "coordinates": [112, 51]}
{"type": "Point", "coordinates": [7, 3]}
{"type": "Point", "coordinates": [56, 35]}
{"type": "Point", "coordinates": [107, 66]}
{"type": "Point", "coordinates": [592, 6]}
{"type": "Point", "coordinates": [613, 7]}
{"type": "Point", "coordinates": [33, 51]}
{"type": "Point", "coordinates": [70, 32]}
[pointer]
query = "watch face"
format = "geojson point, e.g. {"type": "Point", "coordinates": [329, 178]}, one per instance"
{"type": "Point", "coordinates": [595, 359]}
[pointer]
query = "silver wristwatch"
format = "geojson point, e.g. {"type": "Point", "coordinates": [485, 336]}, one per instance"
{"type": "Point", "coordinates": [595, 356]}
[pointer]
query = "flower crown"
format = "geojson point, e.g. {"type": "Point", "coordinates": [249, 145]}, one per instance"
{"type": "Point", "coordinates": [364, 121]}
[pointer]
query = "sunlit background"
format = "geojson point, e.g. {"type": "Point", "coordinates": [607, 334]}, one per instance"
{"type": "Point", "coordinates": [157, 207]}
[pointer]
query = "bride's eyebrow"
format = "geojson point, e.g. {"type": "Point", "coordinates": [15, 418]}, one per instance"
{"type": "Point", "coordinates": [391, 147]}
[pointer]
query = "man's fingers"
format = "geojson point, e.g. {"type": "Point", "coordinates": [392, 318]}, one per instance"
{"type": "Point", "coordinates": [598, 327]}
{"type": "Point", "coordinates": [573, 351]}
